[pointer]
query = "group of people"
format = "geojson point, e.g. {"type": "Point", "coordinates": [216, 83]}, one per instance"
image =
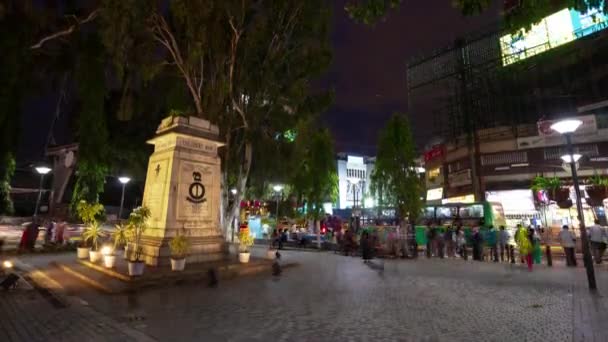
{"type": "Point", "coordinates": [54, 234]}
{"type": "Point", "coordinates": [487, 244]}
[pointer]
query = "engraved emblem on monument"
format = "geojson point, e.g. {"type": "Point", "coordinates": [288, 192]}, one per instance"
{"type": "Point", "coordinates": [196, 192]}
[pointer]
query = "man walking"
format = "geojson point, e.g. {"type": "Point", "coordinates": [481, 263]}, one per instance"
{"type": "Point", "coordinates": [503, 238]}
{"type": "Point", "coordinates": [491, 238]}
{"type": "Point", "coordinates": [567, 240]}
{"type": "Point", "coordinates": [597, 236]}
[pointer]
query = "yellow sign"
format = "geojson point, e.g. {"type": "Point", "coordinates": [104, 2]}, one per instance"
{"type": "Point", "coordinates": [470, 198]}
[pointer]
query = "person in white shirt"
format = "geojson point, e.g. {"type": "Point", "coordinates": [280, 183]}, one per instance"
{"type": "Point", "coordinates": [597, 236]}
{"type": "Point", "coordinates": [567, 240]}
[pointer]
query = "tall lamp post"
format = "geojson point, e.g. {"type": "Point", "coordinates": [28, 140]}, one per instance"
{"type": "Point", "coordinates": [277, 189]}
{"type": "Point", "coordinates": [123, 181]}
{"type": "Point", "coordinates": [567, 127]}
{"type": "Point", "coordinates": [355, 184]}
{"type": "Point", "coordinates": [233, 223]}
{"type": "Point", "coordinates": [42, 171]}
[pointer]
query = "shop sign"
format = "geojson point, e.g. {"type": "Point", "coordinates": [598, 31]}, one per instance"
{"type": "Point", "coordinates": [434, 194]}
{"type": "Point", "coordinates": [470, 198]}
{"type": "Point", "coordinates": [513, 201]}
{"type": "Point", "coordinates": [460, 178]}
{"type": "Point", "coordinates": [437, 151]}
{"type": "Point", "coordinates": [434, 178]}
{"type": "Point", "coordinates": [589, 126]}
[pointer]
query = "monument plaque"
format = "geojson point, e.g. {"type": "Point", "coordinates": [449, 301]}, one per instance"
{"type": "Point", "coordinates": [183, 191]}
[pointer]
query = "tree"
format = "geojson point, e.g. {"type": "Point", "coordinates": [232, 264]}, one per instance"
{"type": "Point", "coordinates": [314, 177]}
{"type": "Point", "coordinates": [394, 180]}
{"type": "Point", "coordinates": [523, 15]}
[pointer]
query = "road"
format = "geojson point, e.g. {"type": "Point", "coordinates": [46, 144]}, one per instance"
{"type": "Point", "coordinates": [335, 298]}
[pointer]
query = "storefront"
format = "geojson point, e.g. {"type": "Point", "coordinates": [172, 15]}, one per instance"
{"type": "Point", "coordinates": [518, 206]}
{"type": "Point", "coordinates": [468, 198]}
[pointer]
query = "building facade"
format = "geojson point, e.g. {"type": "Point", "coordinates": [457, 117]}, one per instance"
{"type": "Point", "coordinates": [354, 172]}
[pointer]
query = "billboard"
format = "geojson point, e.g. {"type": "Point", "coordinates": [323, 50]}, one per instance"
{"type": "Point", "coordinates": [552, 31]}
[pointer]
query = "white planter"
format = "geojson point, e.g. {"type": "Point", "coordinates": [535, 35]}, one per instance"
{"type": "Point", "coordinates": [126, 253]}
{"type": "Point", "coordinates": [83, 252]}
{"type": "Point", "coordinates": [244, 257]}
{"type": "Point", "coordinates": [109, 261]}
{"type": "Point", "coordinates": [178, 264]}
{"type": "Point", "coordinates": [136, 268]}
{"type": "Point", "coordinates": [95, 256]}
{"type": "Point", "coordinates": [271, 254]}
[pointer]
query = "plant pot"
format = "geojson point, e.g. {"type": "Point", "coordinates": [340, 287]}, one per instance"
{"type": "Point", "coordinates": [126, 253]}
{"type": "Point", "coordinates": [566, 204]}
{"type": "Point", "coordinates": [136, 268]}
{"type": "Point", "coordinates": [83, 252]}
{"type": "Point", "coordinates": [244, 257]}
{"type": "Point", "coordinates": [559, 194]}
{"type": "Point", "coordinates": [95, 256]}
{"type": "Point", "coordinates": [109, 261]}
{"type": "Point", "coordinates": [271, 254]}
{"type": "Point", "coordinates": [596, 195]}
{"type": "Point", "coordinates": [178, 264]}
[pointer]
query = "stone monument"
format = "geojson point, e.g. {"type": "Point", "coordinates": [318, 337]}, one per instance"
{"type": "Point", "coordinates": [183, 191]}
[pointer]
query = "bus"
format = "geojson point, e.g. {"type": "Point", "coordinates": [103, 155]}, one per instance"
{"type": "Point", "coordinates": [476, 214]}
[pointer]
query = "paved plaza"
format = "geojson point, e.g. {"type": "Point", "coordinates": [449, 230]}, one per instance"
{"type": "Point", "coordinates": [335, 298]}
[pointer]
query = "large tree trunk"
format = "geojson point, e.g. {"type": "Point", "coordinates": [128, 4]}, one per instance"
{"type": "Point", "coordinates": [230, 212]}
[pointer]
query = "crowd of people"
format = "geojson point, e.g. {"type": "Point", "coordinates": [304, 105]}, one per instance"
{"type": "Point", "coordinates": [54, 233]}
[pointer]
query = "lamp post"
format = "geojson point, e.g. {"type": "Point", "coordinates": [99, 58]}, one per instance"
{"type": "Point", "coordinates": [123, 181]}
{"type": "Point", "coordinates": [42, 171]}
{"type": "Point", "coordinates": [233, 191]}
{"type": "Point", "coordinates": [277, 189]}
{"type": "Point", "coordinates": [567, 127]}
{"type": "Point", "coordinates": [355, 184]}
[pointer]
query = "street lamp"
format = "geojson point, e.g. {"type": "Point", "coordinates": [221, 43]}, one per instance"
{"type": "Point", "coordinates": [277, 188]}
{"type": "Point", "coordinates": [42, 171]}
{"type": "Point", "coordinates": [355, 183]}
{"type": "Point", "coordinates": [123, 181]}
{"type": "Point", "coordinates": [567, 127]}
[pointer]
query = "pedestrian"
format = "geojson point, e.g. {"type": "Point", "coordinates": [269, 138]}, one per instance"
{"type": "Point", "coordinates": [568, 242]}
{"type": "Point", "coordinates": [491, 242]}
{"type": "Point", "coordinates": [477, 244]}
{"type": "Point", "coordinates": [366, 249]}
{"type": "Point", "coordinates": [59, 232]}
{"type": "Point", "coordinates": [429, 239]}
{"type": "Point", "coordinates": [503, 238]}
{"type": "Point", "coordinates": [523, 237]}
{"type": "Point", "coordinates": [537, 252]}
{"type": "Point", "coordinates": [597, 236]}
{"type": "Point", "coordinates": [448, 238]}
{"type": "Point", "coordinates": [439, 243]}
{"type": "Point", "coordinates": [461, 242]}
{"type": "Point", "coordinates": [511, 247]}
{"type": "Point", "coordinates": [274, 238]}
{"type": "Point", "coordinates": [49, 227]}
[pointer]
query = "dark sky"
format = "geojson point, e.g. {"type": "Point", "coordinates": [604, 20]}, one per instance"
{"type": "Point", "coordinates": [368, 69]}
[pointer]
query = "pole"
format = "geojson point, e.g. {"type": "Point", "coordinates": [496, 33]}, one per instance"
{"type": "Point", "coordinates": [39, 195]}
{"type": "Point", "coordinates": [581, 219]}
{"type": "Point", "coordinates": [122, 201]}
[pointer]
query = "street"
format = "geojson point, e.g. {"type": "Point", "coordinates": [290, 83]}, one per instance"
{"type": "Point", "coordinates": [335, 298]}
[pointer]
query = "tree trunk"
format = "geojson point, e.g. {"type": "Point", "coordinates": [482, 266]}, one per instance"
{"type": "Point", "coordinates": [230, 212]}
{"type": "Point", "coordinates": [317, 225]}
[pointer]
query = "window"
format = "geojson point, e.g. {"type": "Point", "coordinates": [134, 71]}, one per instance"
{"type": "Point", "coordinates": [555, 153]}
{"type": "Point", "coordinates": [471, 211]}
{"type": "Point", "coordinates": [504, 158]}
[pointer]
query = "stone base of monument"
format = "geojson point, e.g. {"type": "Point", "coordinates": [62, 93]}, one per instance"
{"type": "Point", "coordinates": [155, 252]}
{"type": "Point", "coordinates": [117, 279]}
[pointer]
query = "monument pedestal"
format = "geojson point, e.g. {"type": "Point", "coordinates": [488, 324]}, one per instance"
{"type": "Point", "coordinates": [183, 191]}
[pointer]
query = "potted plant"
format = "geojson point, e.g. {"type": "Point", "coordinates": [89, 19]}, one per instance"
{"type": "Point", "coordinates": [245, 241]}
{"type": "Point", "coordinates": [120, 236]}
{"type": "Point", "coordinates": [179, 248]}
{"type": "Point", "coordinates": [92, 234]}
{"type": "Point", "coordinates": [137, 223]}
{"type": "Point", "coordinates": [596, 190]}
{"type": "Point", "coordinates": [88, 213]}
{"type": "Point", "coordinates": [109, 257]}
{"type": "Point", "coordinates": [552, 185]}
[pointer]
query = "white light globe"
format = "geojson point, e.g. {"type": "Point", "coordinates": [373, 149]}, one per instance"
{"type": "Point", "coordinates": [124, 180]}
{"type": "Point", "coordinates": [277, 188]}
{"type": "Point", "coordinates": [566, 126]}
{"type": "Point", "coordinates": [566, 158]}
{"type": "Point", "coordinates": [43, 170]}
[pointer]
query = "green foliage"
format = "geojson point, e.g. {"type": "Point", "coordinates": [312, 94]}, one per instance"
{"type": "Point", "coordinates": [121, 235]}
{"type": "Point", "coordinates": [92, 234]}
{"type": "Point", "coordinates": [137, 225]}
{"type": "Point", "coordinates": [179, 246]}
{"type": "Point", "coordinates": [370, 11]}
{"type": "Point", "coordinates": [395, 181]}
{"type": "Point", "coordinates": [7, 170]}
{"type": "Point", "coordinates": [245, 240]}
{"type": "Point", "coordinates": [89, 213]}
{"type": "Point", "coordinates": [314, 177]}
{"type": "Point", "coordinates": [545, 183]}
{"type": "Point", "coordinates": [598, 180]}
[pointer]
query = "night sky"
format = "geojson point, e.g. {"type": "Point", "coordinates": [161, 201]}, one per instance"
{"type": "Point", "coordinates": [368, 69]}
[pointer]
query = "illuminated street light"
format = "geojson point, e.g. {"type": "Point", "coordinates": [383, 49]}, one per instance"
{"type": "Point", "coordinates": [42, 171]}
{"type": "Point", "coordinates": [567, 127]}
{"type": "Point", "coordinates": [568, 159]}
{"type": "Point", "coordinates": [277, 189]}
{"type": "Point", "coordinates": [123, 180]}
{"type": "Point", "coordinates": [233, 191]}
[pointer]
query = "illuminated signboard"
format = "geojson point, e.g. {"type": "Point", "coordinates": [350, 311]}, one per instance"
{"type": "Point", "coordinates": [470, 198]}
{"type": "Point", "coordinates": [557, 29]}
{"type": "Point", "coordinates": [434, 194]}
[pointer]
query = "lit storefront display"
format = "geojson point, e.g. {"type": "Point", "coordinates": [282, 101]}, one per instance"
{"type": "Point", "coordinates": [518, 206]}
{"type": "Point", "coordinates": [552, 31]}
{"type": "Point", "coordinates": [434, 194]}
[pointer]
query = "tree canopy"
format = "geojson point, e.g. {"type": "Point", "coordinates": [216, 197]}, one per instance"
{"type": "Point", "coordinates": [395, 181]}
